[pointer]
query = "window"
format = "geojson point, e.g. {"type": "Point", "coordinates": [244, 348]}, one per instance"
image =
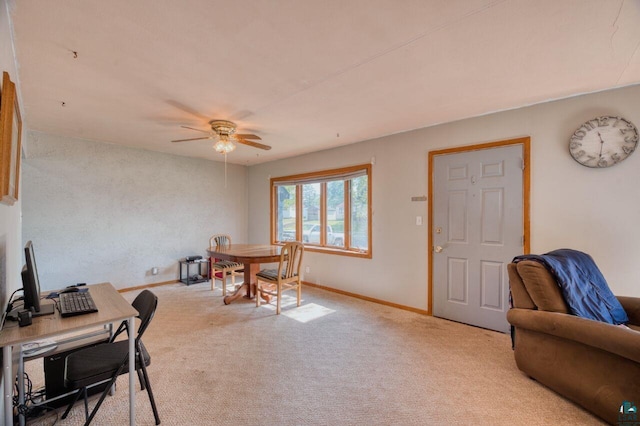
{"type": "Point", "coordinates": [330, 211]}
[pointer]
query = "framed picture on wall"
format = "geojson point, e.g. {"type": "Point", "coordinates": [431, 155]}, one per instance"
{"type": "Point", "coordinates": [10, 141]}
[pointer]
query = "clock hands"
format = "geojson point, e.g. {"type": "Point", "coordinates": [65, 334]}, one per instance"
{"type": "Point", "coordinates": [601, 143]}
{"type": "Point", "coordinates": [601, 162]}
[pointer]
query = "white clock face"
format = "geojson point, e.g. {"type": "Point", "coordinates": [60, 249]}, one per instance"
{"type": "Point", "coordinates": [603, 141]}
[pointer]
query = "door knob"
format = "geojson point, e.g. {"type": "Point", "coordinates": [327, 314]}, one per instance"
{"type": "Point", "coordinates": [438, 249]}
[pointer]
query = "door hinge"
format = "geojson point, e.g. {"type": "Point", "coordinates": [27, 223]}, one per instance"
{"type": "Point", "coordinates": [522, 163]}
{"type": "Point", "coordinates": [522, 241]}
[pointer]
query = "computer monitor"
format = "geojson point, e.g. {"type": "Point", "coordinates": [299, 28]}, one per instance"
{"type": "Point", "coordinates": [31, 284]}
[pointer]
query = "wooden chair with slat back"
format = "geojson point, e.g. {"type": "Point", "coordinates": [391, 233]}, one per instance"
{"type": "Point", "coordinates": [221, 268]}
{"type": "Point", "coordinates": [286, 277]}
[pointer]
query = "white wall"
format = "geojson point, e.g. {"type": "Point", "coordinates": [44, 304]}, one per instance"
{"type": "Point", "coordinates": [592, 210]}
{"type": "Point", "coordinates": [99, 212]}
{"type": "Point", "coordinates": [10, 230]}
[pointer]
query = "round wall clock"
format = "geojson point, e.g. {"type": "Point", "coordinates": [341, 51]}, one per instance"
{"type": "Point", "coordinates": [603, 141]}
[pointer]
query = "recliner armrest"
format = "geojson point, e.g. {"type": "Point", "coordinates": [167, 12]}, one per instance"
{"type": "Point", "coordinates": [611, 338]}
{"type": "Point", "coordinates": [631, 306]}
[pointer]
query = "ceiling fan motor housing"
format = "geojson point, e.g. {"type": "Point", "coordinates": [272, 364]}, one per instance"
{"type": "Point", "coordinates": [223, 127]}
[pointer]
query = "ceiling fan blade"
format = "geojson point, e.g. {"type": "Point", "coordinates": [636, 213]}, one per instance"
{"type": "Point", "coordinates": [253, 144]}
{"type": "Point", "coordinates": [193, 128]}
{"type": "Point", "coordinates": [248, 136]}
{"type": "Point", "coordinates": [192, 139]}
{"type": "Point", "coordinates": [187, 109]}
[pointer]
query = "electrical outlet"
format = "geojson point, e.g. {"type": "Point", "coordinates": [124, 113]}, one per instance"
{"type": "Point", "coordinates": [307, 269]}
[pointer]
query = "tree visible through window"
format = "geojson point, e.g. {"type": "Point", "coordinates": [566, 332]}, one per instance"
{"type": "Point", "coordinates": [328, 210]}
{"type": "Point", "coordinates": [360, 212]}
{"type": "Point", "coordinates": [286, 213]}
{"type": "Point", "coordinates": [335, 213]}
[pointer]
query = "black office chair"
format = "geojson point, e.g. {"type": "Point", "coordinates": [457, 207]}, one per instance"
{"type": "Point", "coordinates": [109, 360]}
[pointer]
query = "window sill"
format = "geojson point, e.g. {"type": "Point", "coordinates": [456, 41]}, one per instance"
{"type": "Point", "coordinates": [334, 250]}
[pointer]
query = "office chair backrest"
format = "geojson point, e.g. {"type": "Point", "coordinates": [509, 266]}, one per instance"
{"type": "Point", "coordinates": [145, 303]}
{"type": "Point", "coordinates": [290, 259]}
{"type": "Point", "coordinates": [220, 240]}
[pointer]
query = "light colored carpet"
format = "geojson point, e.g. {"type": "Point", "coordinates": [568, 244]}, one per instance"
{"type": "Point", "coordinates": [335, 360]}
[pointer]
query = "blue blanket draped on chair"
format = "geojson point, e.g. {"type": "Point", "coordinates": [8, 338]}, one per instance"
{"type": "Point", "coordinates": [582, 285]}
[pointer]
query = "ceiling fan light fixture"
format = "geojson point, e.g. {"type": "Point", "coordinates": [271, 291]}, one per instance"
{"type": "Point", "coordinates": [224, 146]}
{"type": "Point", "coordinates": [224, 129]}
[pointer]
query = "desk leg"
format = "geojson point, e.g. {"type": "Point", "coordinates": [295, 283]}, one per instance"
{"type": "Point", "coordinates": [21, 419]}
{"type": "Point", "coordinates": [8, 385]}
{"type": "Point", "coordinates": [132, 371]}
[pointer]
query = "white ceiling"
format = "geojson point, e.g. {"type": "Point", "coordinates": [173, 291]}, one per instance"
{"type": "Point", "coordinates": [307, 75]}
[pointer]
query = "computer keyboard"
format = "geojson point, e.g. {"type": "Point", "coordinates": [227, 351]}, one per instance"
{"type": "Point", "coordinates": [76, 304]}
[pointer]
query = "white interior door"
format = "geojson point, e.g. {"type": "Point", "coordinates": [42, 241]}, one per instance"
{"type": "Point", "coordinates": [478, 228]}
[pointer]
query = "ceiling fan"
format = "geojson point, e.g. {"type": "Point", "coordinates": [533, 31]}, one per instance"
{"type": "Point", "coordinates": [224, 132]}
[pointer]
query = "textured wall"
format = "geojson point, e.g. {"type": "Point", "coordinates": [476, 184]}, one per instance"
{"type": "Point", "coordinates": [10, 230]}
{"type": "Point", "coordinates": [99, 212]}
{"type": "Point", "coordinates": [11, 257]}
{"type": "Point", "coordinates": [593, 210]}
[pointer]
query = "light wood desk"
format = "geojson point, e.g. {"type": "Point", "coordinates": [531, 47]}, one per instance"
{"type": "Point", "coordinates": [251, 255]}
{"type": "Point", "coordinates": [112, 308]}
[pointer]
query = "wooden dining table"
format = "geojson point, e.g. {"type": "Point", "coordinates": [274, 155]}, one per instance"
{"type": "Point", "coordinates": [251, 256]}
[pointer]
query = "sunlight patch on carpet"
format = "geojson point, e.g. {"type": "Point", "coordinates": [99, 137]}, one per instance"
{"type": "Point", "coordinates": [304, 313]}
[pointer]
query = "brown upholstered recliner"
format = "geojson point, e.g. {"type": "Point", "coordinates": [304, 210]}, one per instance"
{"type": "Point", "coordinates": [594, 364]}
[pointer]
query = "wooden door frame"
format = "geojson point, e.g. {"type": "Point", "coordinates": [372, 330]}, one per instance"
{"type": "Point", "coordinates": [526, 184]}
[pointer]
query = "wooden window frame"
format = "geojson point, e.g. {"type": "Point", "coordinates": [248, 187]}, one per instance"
{"type": "Point", "coordinates": [324, 176]}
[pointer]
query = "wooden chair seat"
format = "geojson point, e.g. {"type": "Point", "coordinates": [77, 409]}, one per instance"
{"type": "Point", "coordinates": [275, 281]}
{"type": "Point", "coordinates": [271, 274]}
{"type": "Point", "coordinates": [226, 264]}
